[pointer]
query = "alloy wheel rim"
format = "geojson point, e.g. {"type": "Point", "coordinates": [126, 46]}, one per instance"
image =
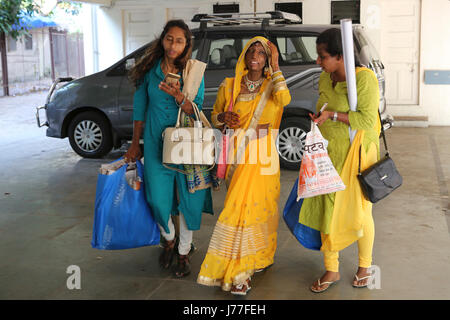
{"type": "Point", "coordinates": [290, 144]}
{"type": "Point", "coordinates": [88, 136]}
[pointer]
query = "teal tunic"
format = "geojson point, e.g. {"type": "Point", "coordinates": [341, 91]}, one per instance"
{"type": "Point", "coordinates": [159, 111]}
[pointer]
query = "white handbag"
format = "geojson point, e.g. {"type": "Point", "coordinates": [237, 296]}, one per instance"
{"type": "Point", "coordinates": [189, 145]}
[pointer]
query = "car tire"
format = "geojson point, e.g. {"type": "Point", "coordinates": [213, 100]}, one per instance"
{"type": "Point", "coordinates": [291, 141]}
{"type": "Point", "coordinates": [90, 135]}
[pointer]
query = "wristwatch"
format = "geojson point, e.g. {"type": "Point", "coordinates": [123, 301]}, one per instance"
{"type": "Point", "coordinates": [335, 116]}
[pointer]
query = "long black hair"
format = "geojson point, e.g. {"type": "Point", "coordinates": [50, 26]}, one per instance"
{"type": "Point", "coordinates": [156, 51]}
{"type": "Point", "coordinates": [332, 38]}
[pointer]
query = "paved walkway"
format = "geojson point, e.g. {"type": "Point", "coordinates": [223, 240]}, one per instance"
{"type": "Point", "coordinates": [47, 195]}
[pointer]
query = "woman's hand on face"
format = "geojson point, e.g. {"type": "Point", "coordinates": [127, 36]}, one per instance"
{"type": "Point", "coordinates": [322, 117]}
{"type": "Point", "coordinates": [274, 56]}
{"type": "Point", "coordinates": [230, 118]}
{"type": "Point", "coordinates": [171, 89]}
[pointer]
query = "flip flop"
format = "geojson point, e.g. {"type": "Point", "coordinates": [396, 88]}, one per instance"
{"type": "Point", "coordinates": [330, 283]}
{"type": "Point", "coordinates": [359, 279]}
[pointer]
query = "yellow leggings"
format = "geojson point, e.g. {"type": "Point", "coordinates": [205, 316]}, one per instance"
{"type": "Point", "coordinates": [365, 246]}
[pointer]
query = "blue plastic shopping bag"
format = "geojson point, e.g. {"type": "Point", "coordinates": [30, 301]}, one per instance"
{"type": "Point", "coordinates": [309, 238]}
{"type": "Point", "coordinates": [123, 218]}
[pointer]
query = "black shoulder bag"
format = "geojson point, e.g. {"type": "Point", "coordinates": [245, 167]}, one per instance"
{"type": "Point", "coordinates": [380, 179]}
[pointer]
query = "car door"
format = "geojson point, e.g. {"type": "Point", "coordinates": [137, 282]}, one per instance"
{"type": "Point", "coordinates": [126, 93]}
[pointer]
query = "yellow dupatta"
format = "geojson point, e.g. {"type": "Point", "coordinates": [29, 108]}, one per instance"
{"type": "Point", "coordinates": [240, 137]}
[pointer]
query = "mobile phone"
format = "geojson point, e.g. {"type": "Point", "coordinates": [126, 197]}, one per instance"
{"type": "Point", "coordinates": [171, 78]}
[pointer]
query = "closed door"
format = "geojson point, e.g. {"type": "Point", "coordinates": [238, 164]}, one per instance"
{"type": "Point", "coordinates": [400, 39]}
{"type": "Point", "coordinates": [137, 26]}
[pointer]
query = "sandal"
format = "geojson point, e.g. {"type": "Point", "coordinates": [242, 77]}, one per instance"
{"type": "Point", "coordinates": [166, 256]}
{"type": "Point", "coordinates": [360, 279]}
{"type": "Point", "coordinates": [263, 269]}
{"type": "Point", "coordinates": [241, 289]}
{"type": "Point", "coordinates": [330, 283]}
{"type": "Point", "coordinates": [183, 267]}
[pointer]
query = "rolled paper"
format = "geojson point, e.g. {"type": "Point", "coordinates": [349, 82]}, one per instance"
{"type": "Point", "coordinates": [349, 62]}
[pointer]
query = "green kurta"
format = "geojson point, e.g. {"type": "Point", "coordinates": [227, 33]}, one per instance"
{"type": "Point", "coordinates": [316, 211]}
{"type": "Point", "coordinates": [159, 111]}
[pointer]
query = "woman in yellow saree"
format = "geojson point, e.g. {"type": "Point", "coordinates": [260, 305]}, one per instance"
{"type": "Point", "coordinates": [245, 236]}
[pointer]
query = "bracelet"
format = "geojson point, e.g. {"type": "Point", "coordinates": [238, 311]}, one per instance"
{"type": "Point", "coordinates": [182, 102]}
{"type": "Point", "coordinates": [279, 71]}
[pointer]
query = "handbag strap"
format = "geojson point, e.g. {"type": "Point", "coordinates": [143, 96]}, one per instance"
{"type": "Point", "coordinates": [384, 141]}
{"type": "Point", "coordinates": [196, 114]}
{"type": "Point", "coordinates": [230, 107]}
{"type": "Point", "coordinates": [383, 135]}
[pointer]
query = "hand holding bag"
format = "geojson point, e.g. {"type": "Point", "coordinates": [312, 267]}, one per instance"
{"type": "Point", "coordinates": [189, 145]}
{"type": "Point", "coordinates": [379, 180]}
{"type": "Point", "coordinates": [123, 218]}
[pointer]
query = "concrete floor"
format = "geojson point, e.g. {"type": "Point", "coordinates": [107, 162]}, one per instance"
{"type": "Point", "coordinates": [47, 195]}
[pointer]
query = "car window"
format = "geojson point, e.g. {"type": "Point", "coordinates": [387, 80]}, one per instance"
{"type": "Point", "coordinates": [367, 53]}
{"type": "Point", "coordinates": [123, 68]}
{"type": "Point", "coordinates": [224, 53]}
{"type": "Point", "coordinates": [297, 49]}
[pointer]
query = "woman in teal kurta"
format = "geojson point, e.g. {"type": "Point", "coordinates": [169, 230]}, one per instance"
{"type": "Point", "coordinates": [157, 104]}
{"type": "Point", "coordinates": [159, 111]}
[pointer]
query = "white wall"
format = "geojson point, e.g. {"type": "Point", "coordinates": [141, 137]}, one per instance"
{"type": "Point", "coordinates": [435, 54]}
{"type": "Point", "coordinates": [109, 22]}
{"type": "Point", "coordinates": [316, 12]}
{"type": "Point", "coordinates": [86, 19]}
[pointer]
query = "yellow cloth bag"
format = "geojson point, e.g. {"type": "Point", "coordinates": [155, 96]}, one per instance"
{"type": "Point", "coordinates": [350, 206]}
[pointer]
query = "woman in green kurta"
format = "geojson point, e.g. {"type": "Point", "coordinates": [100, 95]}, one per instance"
{"type": "Point", "coordinates": [156, 103]}
{"type": "Point", "coordinates": [320, 212]}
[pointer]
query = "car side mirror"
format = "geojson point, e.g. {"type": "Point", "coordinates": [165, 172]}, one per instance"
{"type": "Point", "coordinates": [130, 63]}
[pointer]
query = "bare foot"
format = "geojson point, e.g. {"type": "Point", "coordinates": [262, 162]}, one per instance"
{"type": "Point", "coordinates": [327, 277]}
{"type": "Point", "coordinates": [362, 272]}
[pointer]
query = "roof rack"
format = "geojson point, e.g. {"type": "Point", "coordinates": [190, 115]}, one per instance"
{"type": "Point", "coordinates": [241, 18]}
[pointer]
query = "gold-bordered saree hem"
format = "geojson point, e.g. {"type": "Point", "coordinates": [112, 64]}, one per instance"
{"type": "Point", "coordinates": [240, 250]}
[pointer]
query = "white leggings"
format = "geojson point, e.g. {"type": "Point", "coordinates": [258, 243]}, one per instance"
{"type": "Point", "coordinates": [185, 235]}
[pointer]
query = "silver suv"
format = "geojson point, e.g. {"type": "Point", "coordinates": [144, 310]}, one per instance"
{"type": "Point", "coordinates": [95, 112]}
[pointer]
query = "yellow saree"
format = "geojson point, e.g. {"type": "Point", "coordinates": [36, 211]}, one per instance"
{"type": "Point", "coordinates": [245, 236]}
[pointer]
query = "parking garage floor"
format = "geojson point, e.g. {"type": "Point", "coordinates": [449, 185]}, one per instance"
{"type": "Point", "coordinates": [47, 195]}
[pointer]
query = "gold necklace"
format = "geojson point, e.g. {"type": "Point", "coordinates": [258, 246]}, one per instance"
{"type": "Point", "coordinates": [252, 85]}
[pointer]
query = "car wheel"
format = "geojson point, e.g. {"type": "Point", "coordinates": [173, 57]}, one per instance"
{"type": "Point", "coordinates": [291, 141]}
{"type": "Point", "coordinates": [90, 135]}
